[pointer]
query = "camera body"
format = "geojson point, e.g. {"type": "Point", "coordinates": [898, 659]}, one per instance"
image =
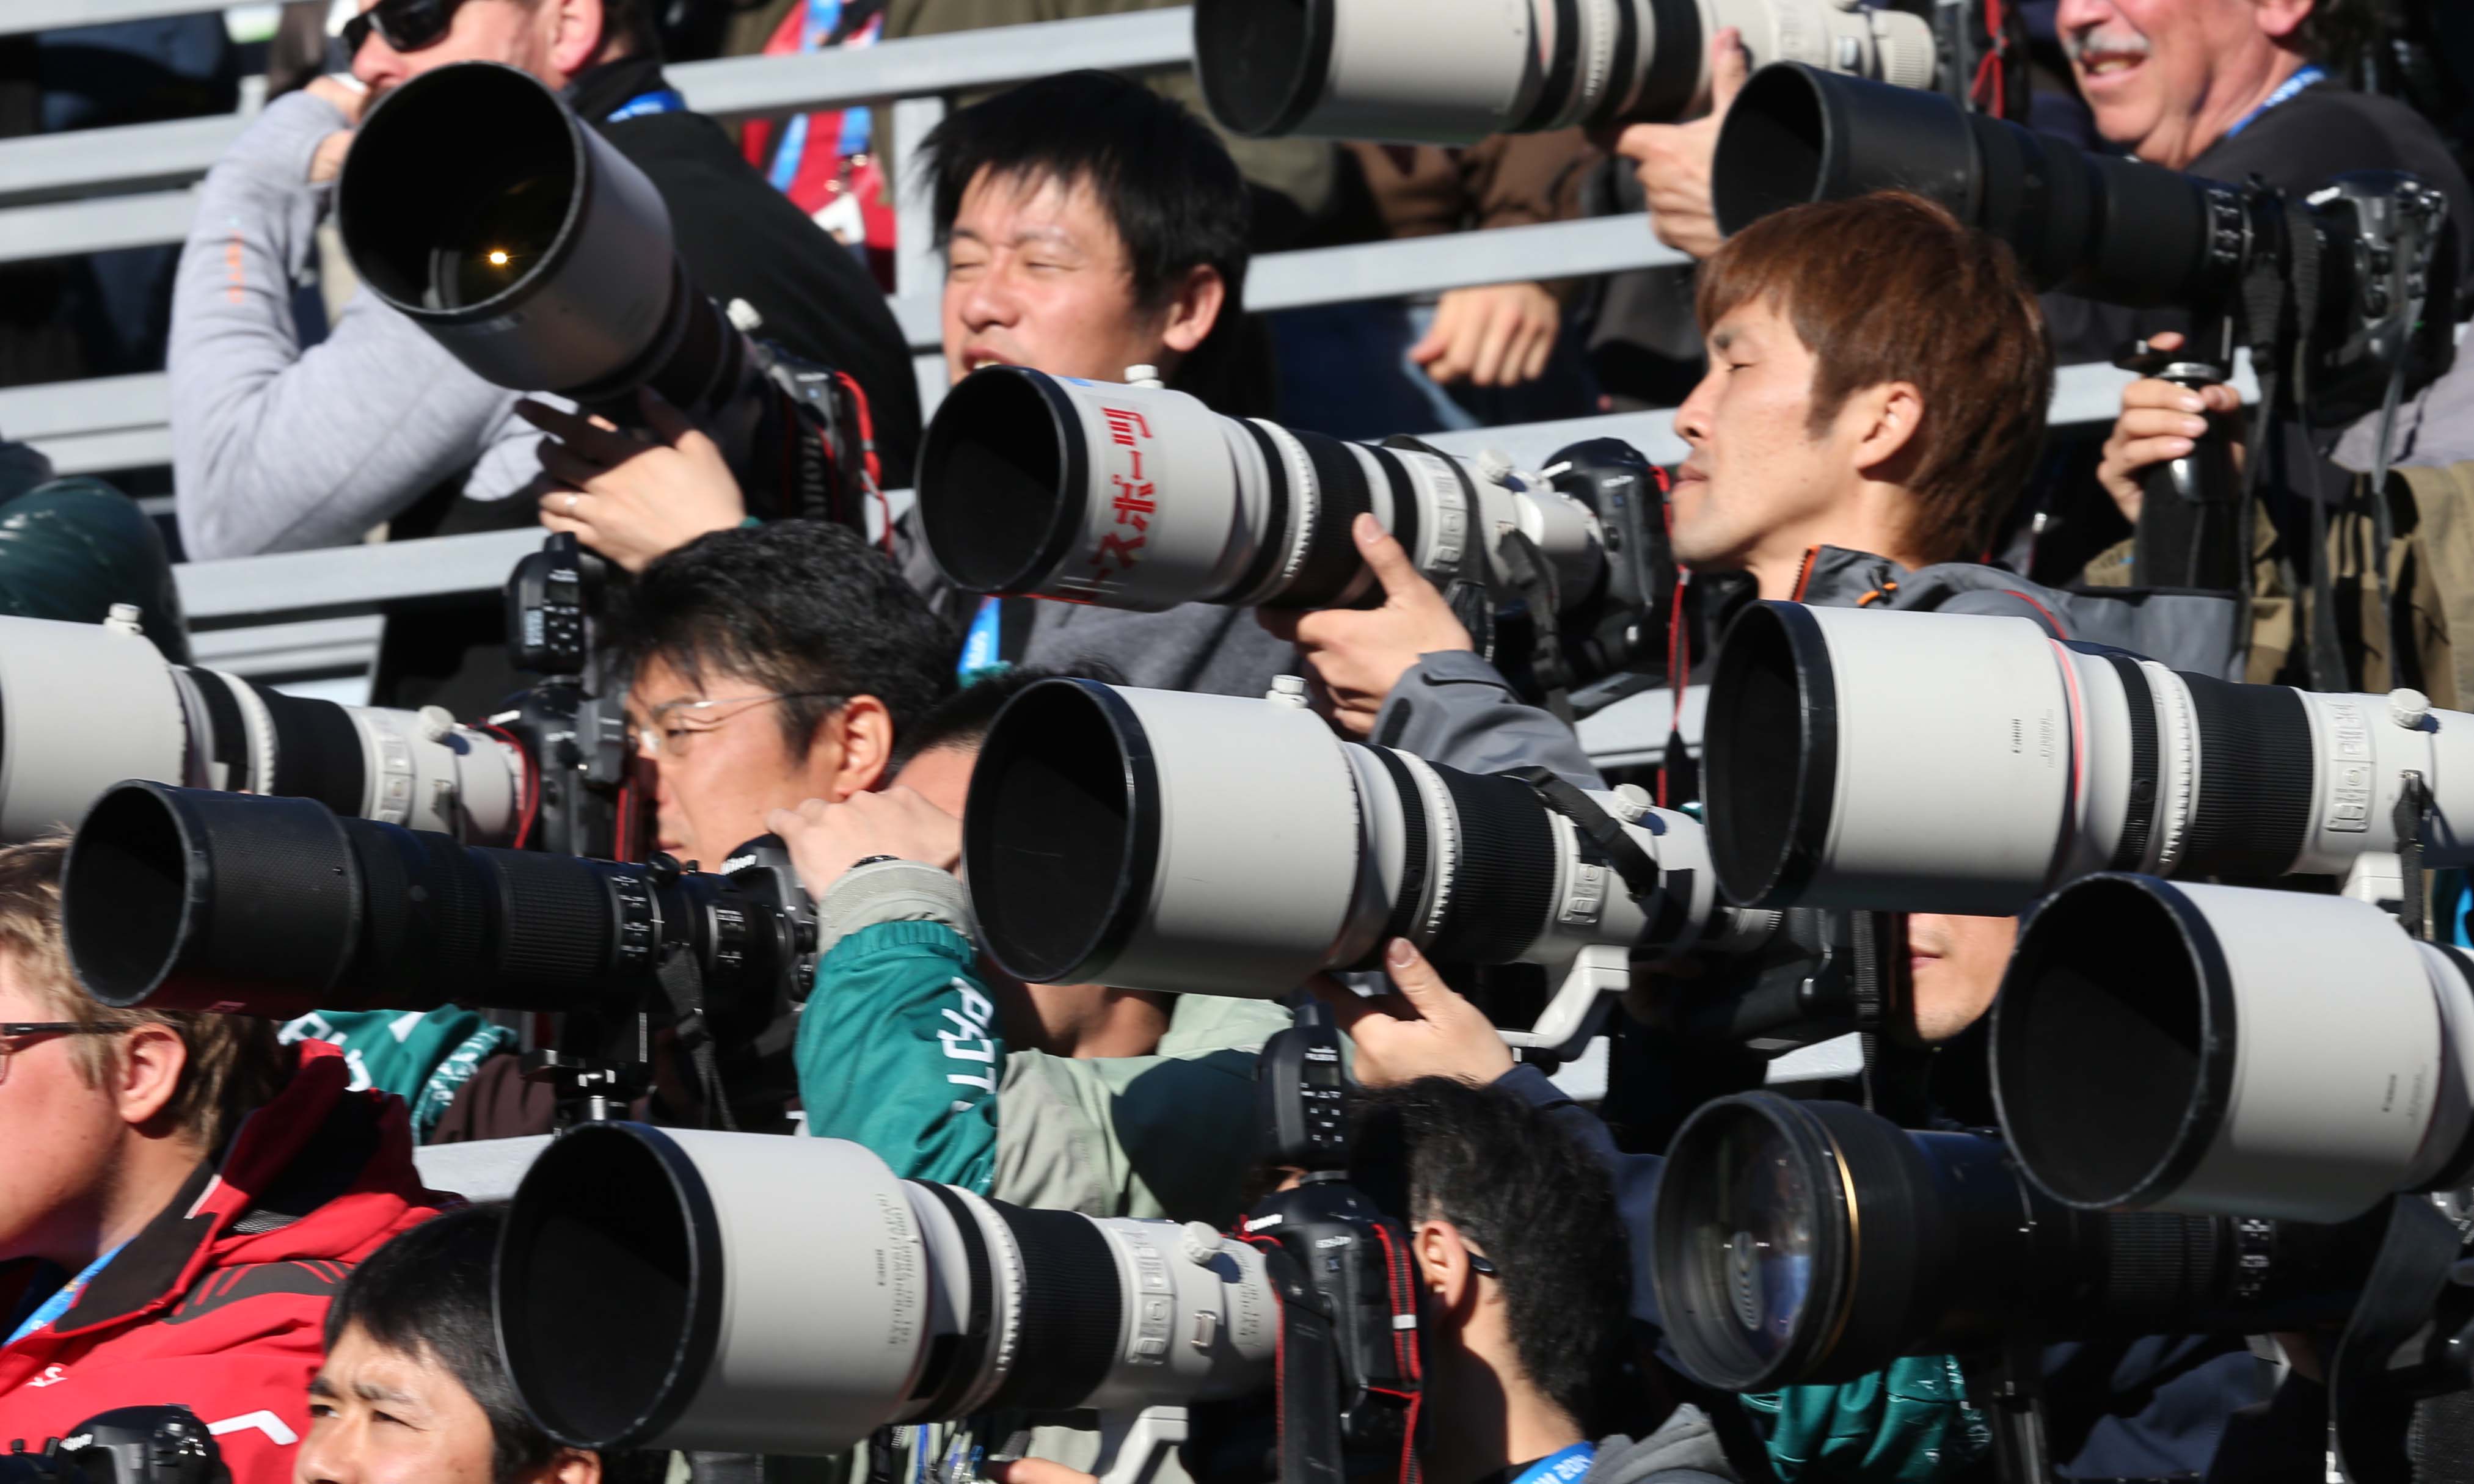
{"type": "Point", "coordinates": [572, 723]}
{"type": "Point", "coordinates": [129, 1445]}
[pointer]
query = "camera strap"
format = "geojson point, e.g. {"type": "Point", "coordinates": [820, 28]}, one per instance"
{"type": "Point", "coordinates": [2412, 806]}
{"type": "Point", "coordinates": [1640, 874]}
{"type": "Point", "coordinates": [682, 981]}
{"type": "Point", "coordinates": [2371, 1390]}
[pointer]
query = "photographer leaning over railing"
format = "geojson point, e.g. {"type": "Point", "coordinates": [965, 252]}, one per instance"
{"type": "Point", "coordinates": [283, 440]}
{"type": "Point", "coordinates": [179, 1202]}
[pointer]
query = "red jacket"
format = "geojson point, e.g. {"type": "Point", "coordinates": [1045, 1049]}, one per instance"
{"type": "Point", "coordinates": [220, 1303]}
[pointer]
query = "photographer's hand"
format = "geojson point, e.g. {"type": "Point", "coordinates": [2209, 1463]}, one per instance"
{"type": "Point", "coordinates": [2160, 420]}
{"type": "Point", "coordinates": [1497, 335]}
{"type": "Point", "coordinates": [1426, 1030]}
{"type": "Point", "coordinates": [1673, 159]}
{"type": "Point", "coordinates": [1358, 655]}
{"type": "Point", "coordinates": [328, 162]}
{"type": "Point", "coordinates": [825, 840]}
{"type": "Point", "coordinates": [627, 498]}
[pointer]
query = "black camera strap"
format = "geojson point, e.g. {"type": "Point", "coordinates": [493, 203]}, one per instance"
{"type": "Point", "coordinates": [1640, 874]}
{"type": "Point", "coordinates": [682, 981]}
{"type": "Point", "coordinates": [2372, 1390]}
{"type": "Point", "coordinates": [2412, 806]}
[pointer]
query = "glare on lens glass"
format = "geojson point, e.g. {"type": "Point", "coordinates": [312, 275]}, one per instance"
{"type": "Point", "coordinates": [1764, 1236]}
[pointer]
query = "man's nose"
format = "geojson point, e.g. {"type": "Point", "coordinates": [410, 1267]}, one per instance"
{"type": "Point", "coordinates": [378, 64]}
{"type": "Point", "coordinates": [990, 299]}
{"type": "Point", "coordinates": [2081, 15]}
{"type": "Point", "coordinates": [1692, 419]}
{"type": "Point", "coordinates": [323, 1459]}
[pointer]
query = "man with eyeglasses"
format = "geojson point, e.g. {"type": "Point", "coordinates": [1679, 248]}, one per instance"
{"type": "Point", "coordinates": [179, 1199]}
{"type": "Point", "coordinates": [770, 665]}
{"type": "Point", "coordinates": [283, 440]}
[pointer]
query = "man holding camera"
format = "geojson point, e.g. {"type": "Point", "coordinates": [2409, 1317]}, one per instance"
{"type": "Point", "coordinates": [1075, 1098]}
{"type": "Point", "coordinates": [1874, 403]}
{"type": "Point", "coordinates": [281, 441]}
{"type": "Point", "coordinates": [2222, 89]}
{"type": "Point", "coordinates": [1517, 1251]}
{"type": "Point", "coordinates": [181, 1199]}
{"type": "Point", "coordinates": [1090, 225]}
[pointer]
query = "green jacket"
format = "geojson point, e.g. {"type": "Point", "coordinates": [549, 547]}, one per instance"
{"type": "Point", "coordinates": [423, 1058]}
{"type": "Point", "coordinates": [899, 1049]}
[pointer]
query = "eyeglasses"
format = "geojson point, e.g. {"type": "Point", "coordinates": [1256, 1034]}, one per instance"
{"type": "Point", "coordinates": [12, 1030]}
{"type": "Point", "coordinates": [668, 734]}
{"type": "Point", "coordinates": [408, 25]}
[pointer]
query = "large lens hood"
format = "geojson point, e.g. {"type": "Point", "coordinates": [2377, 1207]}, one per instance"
{"type": "Point", "coordinates": [1797, 135]}
{"type": "Point", "coordinates": [478, 205]}
{"type": "Point", "coordinates": [1003, 480]}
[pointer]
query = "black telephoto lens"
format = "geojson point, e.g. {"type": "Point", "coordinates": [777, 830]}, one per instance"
{"type": "Point", "coordinates": [2109, 228]}
{"type": "Point", "coordinates": [186, 899]}
{"type": "Point", "coordinates": [1813, 1242]}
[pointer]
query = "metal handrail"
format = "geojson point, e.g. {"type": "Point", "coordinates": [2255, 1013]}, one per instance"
{"type": "Point", "coordinates": [104, 161]}
{"type": "Point", "coordinates": [122, 421]}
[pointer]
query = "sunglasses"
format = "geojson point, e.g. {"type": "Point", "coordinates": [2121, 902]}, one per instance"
{"type": "Point", "coordinates": [408, 25]}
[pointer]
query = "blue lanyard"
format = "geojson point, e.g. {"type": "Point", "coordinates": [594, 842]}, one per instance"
{"type": "Point", "coordinates": [62, 1298]}
{"type": "Point", "coordinates": [2285, 92]}
{"type": "Point", "coordinates": [1564, 1466]}
{"type": "Point", "coordinates": [981, 646]}
{"type": "Point", "coordinates": [661, 100]}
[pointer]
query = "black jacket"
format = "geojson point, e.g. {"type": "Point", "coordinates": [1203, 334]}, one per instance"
{"type": "Point", "coordinates": [2298, 146]}
{"type": "Point", "coordinates": [743, 239]}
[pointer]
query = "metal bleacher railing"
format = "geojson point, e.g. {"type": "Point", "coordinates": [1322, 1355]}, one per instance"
{"type": "Point", "coordinates": [310, 617]}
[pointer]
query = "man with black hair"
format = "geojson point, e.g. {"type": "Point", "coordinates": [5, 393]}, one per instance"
{"type": "Point", "coordinates": [1522, 1289]}
{"type": "Point", "coordinates": [768, 665]}
{"type": "Point", "coordinates": [1091, 225]}
{"type": "Point", "coordinates": [413, 1390]}
{"type": "Point", "coordinates": [1112, 1102]}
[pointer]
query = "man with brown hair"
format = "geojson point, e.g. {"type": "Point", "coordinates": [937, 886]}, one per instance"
{"type": "Point", "coordinates": [1876, 396]}
{"type": "Point", "coordinates": [1877, 387]}
{"type": "Point", "coordinates": [179, 1199]}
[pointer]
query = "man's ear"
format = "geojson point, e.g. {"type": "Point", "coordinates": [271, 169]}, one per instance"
{"type": "Point", "coordinates": [145, 1072]}
{"type": "Point", "coordinates": [1886, 420]}
{"type": "Point", "coordinates": [567, 1466]}
{"type": "Point", "coordinates": [2279, 21]}
{"type": "Point", "coordinates": [865, 729]}
{"type": "Point", "coordinates": [1443, 1264]}
{"type": "Point", "coordinates": [577, 41]}
{"type": "Point", "coordinates": [1195, 309]}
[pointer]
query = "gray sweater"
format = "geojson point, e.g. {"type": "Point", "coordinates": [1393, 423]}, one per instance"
{"type": "Point", "coordinates": [276, 447]}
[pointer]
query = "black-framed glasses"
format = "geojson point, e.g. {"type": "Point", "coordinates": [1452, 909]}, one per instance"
{"type": "Point", "coordinates": [408, 25]}
{"type": "Point", "coordinates": [1481, 1264]}
{"type": "Point", "coordinates": [10, 1031]}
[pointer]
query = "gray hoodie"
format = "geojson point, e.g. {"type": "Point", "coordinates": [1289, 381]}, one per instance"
{"type": "Point", "coordinates": [1683, 1449]}
{"type": "Point", "coordinates": [277, 445]}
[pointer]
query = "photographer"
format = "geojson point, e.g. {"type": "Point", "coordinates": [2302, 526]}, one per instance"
{"type": "Point", "coordinates": [765, 665]}
{"type": "Point", "coordinates": [2230, 89]}
{"type": "Point", "coordinates": [2153, 1407]}
{"type": "Point", "coordinates": [770, 665]}
{"type": "Point", "coordinates": [1090, 226]}
{"type": "Point", "coordinates": [179, 1199]}
{"type": "Point", "coordinates": [1073, 1097]}
{"type": "Point", "coordinates": [414, 1388]}
{"type": "Point", "coordinates": [2222, 89]}
{"type": "Point", "coordinates": [1875, 399]}
{"type": "Point", "coordinates": [1517, 1249]}
{"type": "Point", "coordinates": [281, 441]}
